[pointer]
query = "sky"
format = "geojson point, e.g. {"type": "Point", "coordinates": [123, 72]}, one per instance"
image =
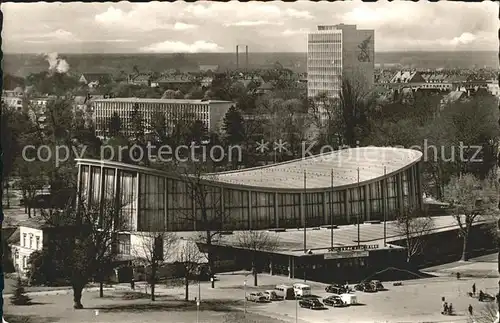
{"type": "Point", "coordinates": [204, 26]}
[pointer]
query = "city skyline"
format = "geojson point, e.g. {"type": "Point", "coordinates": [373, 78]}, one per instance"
{"type": "Point", "coordinates": [265, 27]}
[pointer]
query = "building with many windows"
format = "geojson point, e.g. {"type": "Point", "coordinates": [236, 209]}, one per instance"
{"type": "Point", "coordinates": [351, 186]}
{"type": "Point", "coordinates": [336, 52]}
{"type": "Point", "coordinates": [210, 112]}
{"type": "Point", "coordinates": [342, 187]}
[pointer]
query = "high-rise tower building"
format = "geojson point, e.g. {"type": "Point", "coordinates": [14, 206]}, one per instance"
{"type": "Point", "coordinates": [339, 52]}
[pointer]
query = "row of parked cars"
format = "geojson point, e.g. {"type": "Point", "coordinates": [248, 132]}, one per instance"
{"type": "Point", "coordinates": [343, 295]}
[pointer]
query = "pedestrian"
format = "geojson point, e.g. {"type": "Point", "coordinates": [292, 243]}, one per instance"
{"type": "Point", "coordinates": [474, 289]}
{"type": "Point", "coordinates": [132, 284]}
{"type": "Point", "coordinates": [458, 275]}
{"type": "Point", "coordinates": [470, 309]}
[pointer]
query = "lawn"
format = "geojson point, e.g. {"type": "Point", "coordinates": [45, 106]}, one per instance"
{"type": "Point", "coordinates": [129, 307]}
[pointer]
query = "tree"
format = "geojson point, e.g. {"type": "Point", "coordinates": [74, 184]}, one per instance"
{"type": "Point", "coordinates": [178, 95]}
{"type": "Point", "coordinates": [87, 235]}
{"type": "Point", "coordinates": [154, 249]}
{"type": "Point", "coordinates": [414, 226]}
{"type": "Point", "coordinates": [190, 259]}
{"type": "Point", "coordinates": [159, 126]}
{"type": "Point", "coordinates": [168, 94]}
{"type": "Point", "coordinates": [31, 181]}
{"type": "Point", "coordinates": [137, 124]}
{"type": "Point", "coordinates": [16, 130]}
{"type": "Point", "coordinates": [47, 267]}
{"type": "Point", "coordinates": [20, 297]}
{"type": "Point", "coordinates": [472, 201]}
{"type": "Point", "coordinates": [198, 131]}
{"type": "Point", "coordinates": [59, 120]}
{"type": "Point", "coordinates": [208, 216]}
{"type": "Point", "coordinates": [257, 241]}
{"type": "Point", "coordinates": [233, 126]}
{"type": "Point", "coordinates": [355, 105]}
{"type": "Point", "coordinates": [115, 125]}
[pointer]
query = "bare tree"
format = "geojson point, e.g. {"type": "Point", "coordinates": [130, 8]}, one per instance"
{"type": "Point", "coordinates": [257, 241]}
{"type": "Point", "coordinates": [155, 249]}
{"type": "Point", "coordinates": [487, 314]}
{"type": "Point", "coordinates": [87, 236]}
{"type": "Point", "coordinates": [190, 257]}
{"type": "Point", "coordinates": [414, 225]}
{"type": "Point", "coordinates": [473, 200]}
{"type": "Point", "coordinates": [206, 213]}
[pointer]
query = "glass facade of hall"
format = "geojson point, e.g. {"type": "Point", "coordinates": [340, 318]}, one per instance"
{"type": "Point", "coordinates": [152, 201]}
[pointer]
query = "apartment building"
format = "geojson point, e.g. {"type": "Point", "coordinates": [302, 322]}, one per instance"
{"type": "Point", "coordinates": [336, 53]}
{"type": "Point", "coordinates": [13, 99]}
{"type": "Point", "coordinates": [210, 112]}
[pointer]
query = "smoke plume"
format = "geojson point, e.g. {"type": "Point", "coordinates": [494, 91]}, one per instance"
{"type": "Point", "coordinates": [56, 63]}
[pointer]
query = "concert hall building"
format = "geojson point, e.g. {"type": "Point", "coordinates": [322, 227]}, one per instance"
{"type": "Point", "coordinates": [342, 187]}
{"type": "Point", "coordinates": [342, 198]}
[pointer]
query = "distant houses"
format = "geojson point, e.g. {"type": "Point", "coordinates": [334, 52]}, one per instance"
{"type": "Point", "coordinates": [174, 81]}
{"type": "Point", "coordinates": [142, 79]}
{"type": "Point", "coordinates": [93, 80]}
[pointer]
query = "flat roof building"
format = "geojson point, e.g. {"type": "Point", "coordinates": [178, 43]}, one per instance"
{"type": "Point", "coordinates": [210, 112]}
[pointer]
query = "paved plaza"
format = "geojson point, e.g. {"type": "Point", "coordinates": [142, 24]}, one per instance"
{"type": "Point", "coordinates": [414, 301]}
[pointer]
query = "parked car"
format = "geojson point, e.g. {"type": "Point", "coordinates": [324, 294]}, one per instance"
{"type": "Point", "coordinates": [272, 295]}
{"type": "Point", "coordinates": [257, 297]}
{"type": "Point", "coordinates": [335, 301]}
{"type": "Point", "coordinates": [378, 285]}
{"type": "Point", "coordinates": [285, 291]}
{"type": "Point", "coordinates": [366, 287]}
{"type": "Point", "coordinates": [311, 303]}
{"type": "Point", "coordinates": [336, 289]}
{"type": "Point", "coordinates": [301, 290]}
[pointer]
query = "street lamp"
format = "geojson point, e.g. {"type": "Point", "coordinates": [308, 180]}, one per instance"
{"type": "Point", "coordinates": [245, 289]}
{"type": "Point", "coordinates": [198, 311]}
{"type": "Point", "coordinates": [296, 310]}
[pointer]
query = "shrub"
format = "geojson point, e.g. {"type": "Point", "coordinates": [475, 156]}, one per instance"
{"type": "Point", "coordinates": [19, 297]}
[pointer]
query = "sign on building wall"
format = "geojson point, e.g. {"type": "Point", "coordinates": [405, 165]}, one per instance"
{"type": "Point", "coordinates": [365, 49]}
{"type": "Point", "coordinates": [347, 254]}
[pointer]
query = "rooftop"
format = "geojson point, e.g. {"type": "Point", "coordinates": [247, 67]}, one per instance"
{"type": "Point", "coordinates": [147, 100]}
{"type": "Point", "coordinates": [291, 241]}
{"type": "Point", "coordinates": [318, 169]}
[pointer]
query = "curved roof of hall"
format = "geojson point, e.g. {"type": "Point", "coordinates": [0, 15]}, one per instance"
{"type": "Point", "coordinates": [289, 176]}
{"type": "Point", "coordinates": [318, 169]}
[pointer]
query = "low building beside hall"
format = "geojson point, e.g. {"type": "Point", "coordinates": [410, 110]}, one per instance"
{"type": "Point", "coordinates": [35, 234]}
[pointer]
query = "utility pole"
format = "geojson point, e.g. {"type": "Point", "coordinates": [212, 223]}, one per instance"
{"type": "Point", "coordinates": [359, 197]}
{"type": "Point", "coordinates": [331, 210]}
{"type": "Point", "coordinates": [305, 223]}
{"type": "Point", "coordinates": [384, 206]}
{"type": "Point", "coordinates": [305, 211]}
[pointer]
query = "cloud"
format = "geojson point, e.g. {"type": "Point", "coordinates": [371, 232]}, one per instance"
{"type": "Point", "coordinates": [266, 26]}
{"type": "Point", "coordinates": [143, 17]}
{"type": "Point", "coordinates": [199, 46]}
{"type": "Point", "coordinates": [249, 23]}
{"type": "Point", "coordinates": [292, 32]}
{"type": "Point", "coordinates": [57, 36]}
{"type": "Point", "coordinates": [183, 26]}
{"type": "Point", "coordinates": [110, 16]}
{"type": "Point", "coordinates": [463, 39]}
{"type": "Point", "coordinates": [301, 14]}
